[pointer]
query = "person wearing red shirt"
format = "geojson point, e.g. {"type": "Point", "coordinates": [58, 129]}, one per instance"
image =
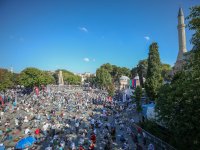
{"type": "Point", "coordinates": [1, 101]}
{"type": "Point", "coordinates": [37, 131]}
{"type": "Point", "coordinates": [91, 146]}
{"type": "Point", "coordinates": [93, 138]}
{"type": "Point", "coordinates": [81, 147]}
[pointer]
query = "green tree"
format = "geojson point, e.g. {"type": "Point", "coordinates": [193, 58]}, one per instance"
{"type": "Point", "coordinates": [111, 90]}
{"type": "Point", "coordinates": [153, 79]}
{"type": "Point", "coordinates": [73, 80]}
{"type": "Point", "coordinates": [92, 81]}
{"type": "Point", "coordinates": [138, 96]}
{"type": "Point", "coordinates": [6, 79]}
{"type": "Point", "coordinates": [178, 107]}
{"type": "Point", "coordinates": [46, 78]}
{"type": "Point", "coordinates": [118, 72]}
{"type": "Point", "coordinates": [115, 74]}
{"type": "Point", "coordinates": [68, 77]}
{"type": "Point", "coordinates": [142, 70]}
{"type": "Point", "coordinates": [134, 72]}
{"type": "Point", "coordinates": [166, 72]}
{"type": "Point", "coordinates": [178, 103]}
{"type": "Point", "coordinates": [55, 76]}
{"type": "Point", "coordinates": [125, 71]}
{"type": "Point", "coordinates": [15, 77]}
{"type": "Point", "coordinates": [194, 24]}
{"type": "Point", "coordinates": [107, 67]}
{"type": "Point", "coordinates": [31, 77]}
{"type": "Point", "coordinates": [103, 78]}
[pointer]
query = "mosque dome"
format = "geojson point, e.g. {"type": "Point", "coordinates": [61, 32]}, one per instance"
{"type": "Point", "coordinates": [136, 77]}
{"type": "Point", "coordinates": [124, 78]}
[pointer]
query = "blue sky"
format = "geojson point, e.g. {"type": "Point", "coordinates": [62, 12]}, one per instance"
{"type": "Point", "coordinates": [81, 35]}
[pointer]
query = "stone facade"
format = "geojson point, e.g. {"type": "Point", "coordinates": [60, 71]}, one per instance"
{"type": "Point", "coordinates": [85, 75]}
{"type": "Point", "coordinates": [124, 82]}
{"type": "Point", "coordinates": [137, 81]}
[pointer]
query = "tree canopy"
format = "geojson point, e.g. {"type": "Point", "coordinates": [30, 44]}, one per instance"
{"type": "Point", "coordinates": [107, 76]}
{"type": "Point", "coordinates": [91, 80]}
{"type": "Point", "coordinates": [178, 103]}
{"type": "Point", "coordinates": [103, 78]}
{"type": "Point", "coordinates": [138, 96]}
{"type": "Point", "coordinates": [153, 79]}
{"type": "Point", "coordinates": [6, 79]}
{"type": "Point", "coordinates": [68, 77]}
{"type": "Point", "coordinates": [166, 72]}
{"type": "Point", "coordinates": [116, 72]}
{"type": "Point", "coordinates": [142, 70]}
{"type": "Point", "coordinates": [31, 77]}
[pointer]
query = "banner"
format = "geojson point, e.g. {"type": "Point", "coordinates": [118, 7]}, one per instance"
{"type": "Point", "coordinates": [133, 83]}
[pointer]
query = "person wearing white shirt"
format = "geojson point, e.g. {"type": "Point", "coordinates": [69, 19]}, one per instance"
{"type": "Point", "coordinates": [48, 148]}
{"type": "Point", "coordinates": [27, 131]}
{"type": "Point", "coordinates": [2, 114]}
{"type": "Point", "coordinates": [77, 126]}
{"type": "Point", "coordinates": [45, 127]}
{"type": "Point", "coordinates": [81, 141]}
{"type": "Point", "coordinates": [92, 121]}
{"type": "Point", "coordinates": [25, 119]}
{"type": "Point", "coordinates": [95, 131]}
{"type": "Point", "coordinates": [73, 147]}
{"type": "Point", "coordinates": [16, 122]}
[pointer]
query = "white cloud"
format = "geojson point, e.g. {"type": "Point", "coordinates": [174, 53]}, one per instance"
{"type": "Point", "coordinates": [86, 59]}
{"type": "Point", "coordinates": [147, 38]}
{"type": "Point", "coordinates": [83, 29]}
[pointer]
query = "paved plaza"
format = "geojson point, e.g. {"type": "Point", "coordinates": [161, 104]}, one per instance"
{"type": "Point", "coordinates": [70, 118]}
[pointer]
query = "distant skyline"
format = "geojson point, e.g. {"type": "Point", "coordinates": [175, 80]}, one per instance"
{"type": "Point", "coordinates": [81, 35]}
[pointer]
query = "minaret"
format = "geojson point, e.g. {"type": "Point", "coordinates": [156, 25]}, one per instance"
{"type": "Point", "coordinates": [181, 35]}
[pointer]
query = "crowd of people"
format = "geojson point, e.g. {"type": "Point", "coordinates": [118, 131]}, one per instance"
{"type": "Point", "coordinates": [61, 118]}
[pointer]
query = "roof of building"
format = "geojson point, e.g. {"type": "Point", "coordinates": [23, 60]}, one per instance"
{"type": "Point", "coordinates": [124, 78]}
{"type": "Point", "coordinates": [136, 78]}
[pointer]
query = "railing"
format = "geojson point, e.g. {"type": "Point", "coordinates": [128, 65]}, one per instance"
{"type": "Point", "coordinates": [161, 145]}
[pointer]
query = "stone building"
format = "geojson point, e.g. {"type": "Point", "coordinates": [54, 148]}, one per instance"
{"type": "Point", "coordinates": [124, 82]}
{"type": "Point", "coordinates": [85, 75]}
{"type": "Point", "coordinates": [136, 81]}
